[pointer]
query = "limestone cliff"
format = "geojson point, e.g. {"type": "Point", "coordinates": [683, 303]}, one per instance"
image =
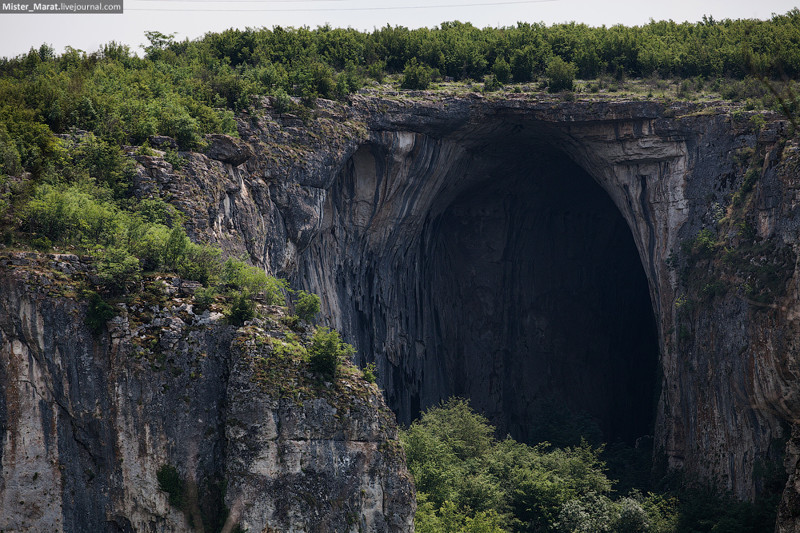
{"type": "Point", "coordinates": [634, 261]}
{"type": "Point", "coordinates": [94, 424]}
{"type": "Point", "coordinates": [524, 251]}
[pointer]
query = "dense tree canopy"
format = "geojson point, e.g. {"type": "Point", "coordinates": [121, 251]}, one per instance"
{"type": "Point", "coordinates": [187, 88]}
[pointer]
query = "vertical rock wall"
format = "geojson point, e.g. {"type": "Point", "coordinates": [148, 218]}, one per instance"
{"type": "Point", "coordinates": [87, 421]}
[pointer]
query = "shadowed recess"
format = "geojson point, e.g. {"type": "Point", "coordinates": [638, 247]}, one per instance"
{"type": "Point", "coordinates": [496, 269]}
{"type": "Point", "coordinates": [542, 310]}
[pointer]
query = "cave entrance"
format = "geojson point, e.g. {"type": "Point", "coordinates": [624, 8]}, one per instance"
{"type": "Point", "coordinates": [541, 312]}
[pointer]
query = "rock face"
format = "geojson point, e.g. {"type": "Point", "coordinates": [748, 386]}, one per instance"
{"type": "Point", "coordinates": [630, 260]}
{"type": "Point", "coordinates": [90, 422]}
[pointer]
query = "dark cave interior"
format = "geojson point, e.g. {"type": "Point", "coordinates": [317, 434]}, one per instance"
{"type": "Point", "coordinates": [541, 309]}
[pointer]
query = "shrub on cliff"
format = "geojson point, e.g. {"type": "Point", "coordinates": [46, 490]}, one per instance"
{"type": "Point", "coordinates": [502, 70]}
{"type": "Point", "coordinates": [71, 214]}
{"type": "Point", "coordinates": [242, 309]}
{"type": "Point", "coordinates": [416, 76]}
{"type": "Point", "coordinates": [560, 75]}
{"type": "Point", "coordinates": [200, 263]}
{"type": "Point", "coordinates": [253, 280]}
{"type": "Point", "coordinates": [103, 162]}
{"type": "Point", "coordinates": [281, 102]}
{"type": "Point", "coordinates": [98, 312]}
{"type": "Point", "coordinates": [307, 305]}
{"type": "Point", "coordinates": [170, 481]}
{"type": "Point", "coordinates": [118, 270]}
{"type": "Point", "coordinates": [327, 352]}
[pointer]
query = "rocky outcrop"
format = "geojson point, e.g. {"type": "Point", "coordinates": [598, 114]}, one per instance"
{"type": "Point", "coordinates": [227, 149]}
{"type": "Point", "coordinates": [446, 233]}
{"type": "Point", "coordinates": [333, 465]}
{"type": "Point", "coordinates": [94, 424]}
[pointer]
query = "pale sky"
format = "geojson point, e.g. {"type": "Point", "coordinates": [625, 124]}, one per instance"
{"type": "Point", "coordinates": [193, 18]}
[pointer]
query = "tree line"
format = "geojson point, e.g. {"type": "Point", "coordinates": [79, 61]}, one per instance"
{"type": "Point", "coordinates": [187, 88]}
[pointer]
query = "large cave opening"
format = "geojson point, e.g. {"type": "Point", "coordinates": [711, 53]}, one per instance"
{"type": "Point", "coordinates": [493, 267]}
{"type": "Point", "coordinates": [540, 311]}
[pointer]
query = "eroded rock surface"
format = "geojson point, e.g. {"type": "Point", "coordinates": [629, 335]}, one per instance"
{"type": "Point", "coordinates": [88, 421]}
{"type": "Point", "coordinates": [459, 242]}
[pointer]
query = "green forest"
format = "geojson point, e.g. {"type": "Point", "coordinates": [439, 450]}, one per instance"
{"type": "Point", "coordinates": [65, 184]}
{"type": "Point", "coordinates": [186, 89]}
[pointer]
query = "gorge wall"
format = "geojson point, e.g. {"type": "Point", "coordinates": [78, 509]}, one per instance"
{"type": "Point", "coordinates": [633, 260]}
{"type": "Point", "coordinates": [633, 263]}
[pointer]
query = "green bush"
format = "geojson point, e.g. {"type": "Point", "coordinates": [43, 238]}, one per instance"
{"type": "Point", "coordinates": [281, 102]}
{"type": "Point", "coordinates": [200, 263]}
{"type": "Point", "coordinates": [307, 305]}
{"type": "Point", "coordinates": [204, 297]}
{"type": "Point", "coordinates": [327, 352]}
{"type": "Point", "coordinates": [501, 70]}
{"type": "Point", "coordinates": [157, 211]}
{"type": "Point", "coordinates": [376, 71]}
{"type": "Point", "coordinates": [253, 280]}
{"type": "Point", "coordinates": [149, 243]}
{"type": "Point", "coordinates": [316, 78]}
{"type": "Point", "coordinates": [5, 196]}
{"type": "Point", "coordinates": [170, 481]}
{"type": "Point", "coordinates": [43, 244]}
{"type": "Point", "coordinates": [242, 309]}
{"type": "Point", "coordinates": [634, 513]}
{"type": "Point", "coordinates": [593, 512]}
{"type": "Point", "coordinates": [175, 247]}
{"type": "Point", "coordinates": [71, 215]}
{"type": "Point", "coordinates": [416, 75]}
{"type": "Point", "coordinates": [98, 312]}
{"type": "Point", "coordinates": [450, 518]}
{"type": "Point", "coordinates": [10, 161]}
{"type": "Point", "coordinates": [104, 163]}
{"type": "Point", "coordinates": [176, 122]}
{"type": "Point", "coordinates": [491, 84]}
{"type": "Point", "coordinates": [523, 64]}
{"type": "Point", "coordinates": [118, 270]}
{"type": "Point", "coordinates": [175, 159]}
{"type": "Point", "coordinates": [705, 243]}
{"type": "Point", "coordinates": [560, 75]}
{"type": "Point", "coordinates": [370, 373]}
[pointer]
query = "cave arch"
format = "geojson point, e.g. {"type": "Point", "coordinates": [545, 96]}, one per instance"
{"type": "Point", "coordinates": [490, 265]}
